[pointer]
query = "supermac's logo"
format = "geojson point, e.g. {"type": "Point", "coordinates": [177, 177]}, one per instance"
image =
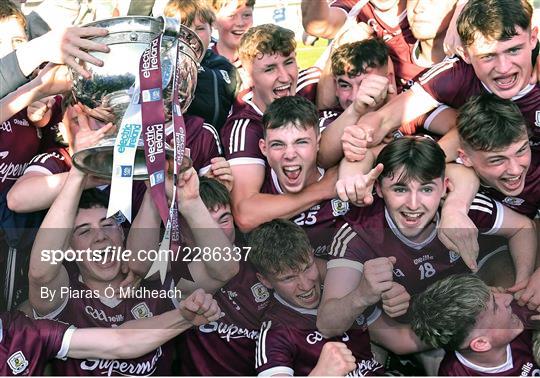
{"type": "Point", "coordinates": [129, 136]}
{"type": "Point", "coordinates": [339, 207]}
{"type": "Point", "coordinates": [17, 362]}
{"type": "Point", "coordinates": [537, 118]}
{"type": "Point", "coordinates": [141, 311]}
{"type": "Point", "coordinates": [260, 292]}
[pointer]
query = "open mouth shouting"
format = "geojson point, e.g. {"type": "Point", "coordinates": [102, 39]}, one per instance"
{"type": "Point", "coordinates": [506, 82]}
{"type": "Point", "coordinates": [282, 91]}
{"type": "Point", "coordinates": [512, 183]}
{"type": "Point", "coordinates": [411, 219]}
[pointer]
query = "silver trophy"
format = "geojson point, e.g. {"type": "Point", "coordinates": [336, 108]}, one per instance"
{"type": "Point", "coordinates": [108, 92]}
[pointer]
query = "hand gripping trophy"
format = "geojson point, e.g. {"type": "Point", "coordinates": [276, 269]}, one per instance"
{"type": "Point", "coordinates": [148, 79]}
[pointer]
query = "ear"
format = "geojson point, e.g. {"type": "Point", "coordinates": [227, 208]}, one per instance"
{"type": "Point", "coordinates": [480, 344]}
{"type": "Point", "coordinates": [318, 138]}
{"type": "Point", "coordinates": [534, 36]}
{"type": "Point", "coordinates": [378, 188]}
{"type": "Point", "coordinates": [462, 51]}
{"type": "Point", "coordinates": [264, 281]}
{"type": "Point", "coordinates": [465, 158]}
{"type": "Point", "coordinates": [262, 146]}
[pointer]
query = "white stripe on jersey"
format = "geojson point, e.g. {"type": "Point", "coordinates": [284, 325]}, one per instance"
{"type": "Point", "coordinates": [341, 240]}
{"type": "Point", "coordinates": [481, 208]}
{"type": "Point", "coordinates": [214, 132]}
{"type": "Point", "coordinates": [445, 65]}
{"type": "Point", "coordinates": [237, 138]}
{"type": "Point", "coordinates": [260, 356]}
{"type": "Point", "coordinates": [306, 83]}
{"type": "Point", "coordinates": [479, 201]}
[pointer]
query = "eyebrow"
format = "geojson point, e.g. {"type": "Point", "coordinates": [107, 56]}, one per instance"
{"type": "Point", "coordinates": [88, 224]}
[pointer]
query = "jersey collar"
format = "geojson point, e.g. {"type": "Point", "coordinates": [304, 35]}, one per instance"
{"type": "Point", "coordinates": [404, 239]}
{"type": "Point", "coordinates": [522, 93]}
{"type": "Point", "coordinates": [305, 311]}
{"type": "Point", "coordinates": [509, 364]}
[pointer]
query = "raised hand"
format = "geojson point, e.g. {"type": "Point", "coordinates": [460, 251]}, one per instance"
{"type": "Point", "coordinates": [335, 360]}
{"type": "Point", "coordinates": [358, 189]}
{"type": "Point", "coordinates": [200, 308]}
{"type": "Point", "coordinates": [376, 279]}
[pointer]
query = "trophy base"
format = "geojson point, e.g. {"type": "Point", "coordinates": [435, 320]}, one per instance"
{"type": "Point", "coordinates": [98, 161]}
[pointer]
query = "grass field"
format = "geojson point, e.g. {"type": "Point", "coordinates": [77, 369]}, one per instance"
{"type": "Point", "coordinates": [306, 56]}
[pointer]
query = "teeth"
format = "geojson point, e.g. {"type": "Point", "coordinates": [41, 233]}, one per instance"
{"type": "Point", "coordinates": [292, 168]}
{"type": "Point", "coordinates": [307, 295]}
{"type": "Point", "coordinates": [282, 88]}
{"type": "Point", "coordinates": [505, 80]}
{"type": "Point", "coordinates": [238, 32]}
{"type": "Point", "coordinates": [412, 215]}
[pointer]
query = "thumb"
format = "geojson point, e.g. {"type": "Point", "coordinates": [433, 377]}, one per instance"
{"type": "Point", "coordinates": [392, 259]}
{"type": "Point", "coordinates": [470, 262]}
{"type": "Point", "coordinates": [517, 287]}
{"type": "Point", "coordinates": [51, 102]}
{"type": "Point", "coordinates": [369, 135]}
{"type": "Point", "coordinates": [375, 173]}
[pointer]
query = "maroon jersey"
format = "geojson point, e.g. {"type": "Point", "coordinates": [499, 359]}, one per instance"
{"type": "Point", "coordinates": [326, 117]}
{"type": "Point", "coordinates": [319, 221]}
{"type": "Point", "coordinates": [369, 233]}
{"type": "Point", "coordinates": [55, 160]}
{"type": "Point", "coordinates": [227, 346]}
{"type": "Point", "coordinates": [26, 345]}
{"type": "Point", "coordinates": [346, 5]}
{"type": "Point", "coordinates": [20, 141]}
{"type": "Point", "coordinates": [453, 82]}
{"type": "Point", "coordinates": [528, 201]}
{"type": "Point", "coordinates": [290, 344]}
{"type": "Point", "coordinates": [89, 311]}
{"type": "Point", "coordinates": [519, 357]}
{"type": "Point", "coordinates": [243, 129]}
{"type": "Point", "coordinates": [202, 141]}
{"type": "Point", "coordinates": [399, 38]}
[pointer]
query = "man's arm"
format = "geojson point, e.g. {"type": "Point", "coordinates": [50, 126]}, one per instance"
{"type": "Point", "coordinates": [402, 109]}
{"type": "Point", "coordinates": [215, 273]}
{"type": "Point", "coordinates": [373, 92]}
{"type": "Point", "coordinates": [396, 337]}
{"type": "Point", "coordinates": [521, 234]}
{"type": "Point", "coordinates": [321, 20]}
{"type": "Point", "coordinates": [53, 235]}
{"type": "Point", "coordinates": [456, 230]}
{"type": "Point", "coordinates": [138, 337]}
{"type": "Point", "coordinates": [251, 208]}
{"type": "Point", "coordinates": [348, 292]}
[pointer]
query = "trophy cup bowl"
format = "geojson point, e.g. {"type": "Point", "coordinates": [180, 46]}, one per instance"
{"type": "Point", "coordinates": [111, 86]}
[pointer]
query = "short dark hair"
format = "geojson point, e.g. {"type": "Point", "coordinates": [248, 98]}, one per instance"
{"type": "Point", "coordinates": [354, 58]}
{"type": "Point", "coordinates": [295, 110]}
{"type": "Point", "coordinates": [277, 246]}
{"type": "Point", "coordinates": [213, 193]}
{"type": "Point", "coordinates": [92, 198]}
{"type": "Point", "coordinates": [8, 9]}
{"type": "Point", "coordinates": [266, 39]}
{"type": "Point", "coordinates": [494, 19]}
{"type": "Point", "coordinates": [421, 157]}
{"type": "Point", "coordinates": [444, 315]}
{"type": "Point", "coordinates": [490, 123]}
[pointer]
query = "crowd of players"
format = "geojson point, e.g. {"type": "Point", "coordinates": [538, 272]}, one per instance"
{"type": "Point", "coordinates": [380, 204]}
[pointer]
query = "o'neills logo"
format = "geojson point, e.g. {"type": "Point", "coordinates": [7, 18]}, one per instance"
{"type": "Point", "coordinates": [154, 141]}
{"type": "Point", "coordinates": [364, 367]}
{"type": "Point", "coordinates": [123, 367]}
{"type": "Point", "coordinates": [229, 331]}
{"type": "Point", "coordinates": [150, 59]}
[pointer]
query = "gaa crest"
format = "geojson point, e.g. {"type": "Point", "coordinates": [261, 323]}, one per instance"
{"type": "Point", "coordinates": [537, 118]}
{"type": "Point", "coordinates": [339, 207]}
{"type": "Point", "coordinates": [141, 311]}
{"type": "Point", "coordinates": [260, 292]}
{"type": "Point", "coordinates": [17, 362]}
